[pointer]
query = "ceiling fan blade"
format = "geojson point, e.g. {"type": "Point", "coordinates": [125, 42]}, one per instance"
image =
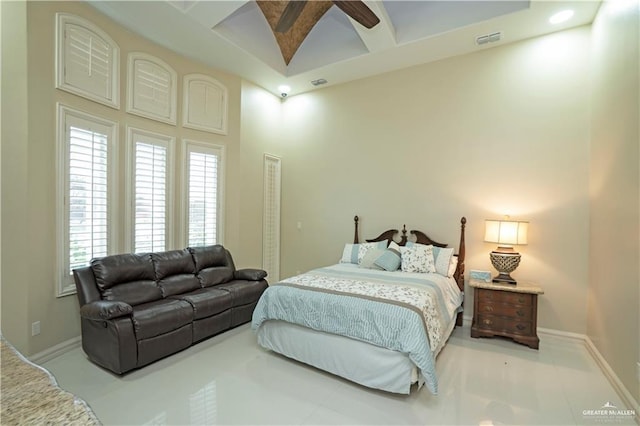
{"type": "Point", "coordinates": [291, 12]}
{"type": "Point", "coordinates": [359, 11]}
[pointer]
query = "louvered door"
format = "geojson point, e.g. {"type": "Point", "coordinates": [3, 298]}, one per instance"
{"type": "Point", "coordinates": [271, 220]}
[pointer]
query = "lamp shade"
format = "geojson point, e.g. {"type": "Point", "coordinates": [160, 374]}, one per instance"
{"type": "Point", "coordinates": [506, 232]}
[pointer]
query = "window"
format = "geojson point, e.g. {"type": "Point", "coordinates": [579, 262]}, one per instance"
{"type": "Point", "coordinates": [149, 192]}
{"type": "Point", "coordinates": [86, 193]}
{"type": "Point", "coordinates": [205, 104]}
{"type": "Point", "coordinates": [87, 60]}
{"type": "Point", "coordinates": [204, 165]}
{"type": "Point", "coordinates": [152, 88]}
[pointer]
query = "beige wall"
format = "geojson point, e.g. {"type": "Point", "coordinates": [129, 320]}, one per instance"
{"type": "Point", "coordinates": [614, 270]}
{"type": "Point", "coordinates": [15, 244]}
{"type": "Point", "coordinates": [260, 134]}
{"type": "Point", "coordinates": [29, 176]}
{"type": "Point", "coordinates": [501, 131]}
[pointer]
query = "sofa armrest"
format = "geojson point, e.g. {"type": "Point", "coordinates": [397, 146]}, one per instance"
{"type": "Point", "coordinates": [249, 274]}
{"type": "Point", "coordinates": [105, 310]}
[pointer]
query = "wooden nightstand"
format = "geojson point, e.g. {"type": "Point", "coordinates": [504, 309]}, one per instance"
{"type": "Point", "coordinates": [506, 310]}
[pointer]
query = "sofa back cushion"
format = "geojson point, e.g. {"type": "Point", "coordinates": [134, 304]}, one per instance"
{"type": "Point", "coordinates": [128, 278]}
{"type": "Point", "coordinates": [175, 271]}
{"type": "Point", "coordinates": [214, 264]}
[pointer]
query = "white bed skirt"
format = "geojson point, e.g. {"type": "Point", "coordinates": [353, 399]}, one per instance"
{"type": "Point", "coordinates": [360, 362]}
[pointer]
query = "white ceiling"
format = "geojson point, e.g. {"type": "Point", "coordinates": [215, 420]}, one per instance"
{"type": "Point", "coordinates": [234, 36]}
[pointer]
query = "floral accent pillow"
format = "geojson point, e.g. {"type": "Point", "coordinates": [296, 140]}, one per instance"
{"type": "Point", "coordinates": [417, 258]}
{"type": "Point", "coordinates": [353, 253]}
{"type": "Point", "coordinates": [364, 248]}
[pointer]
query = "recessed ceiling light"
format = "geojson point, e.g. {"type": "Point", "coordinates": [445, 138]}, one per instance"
{"type": "Point", "coordinates": [563, 16]}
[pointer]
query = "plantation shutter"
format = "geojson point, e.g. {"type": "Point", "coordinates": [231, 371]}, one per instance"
{"type": "Point", "coordinates": [271, 219]}
{"type": "Point", "coordinates": [87, 60]}
{"type": "Point", "coordinates": [150, 196]}
{"type": "Point", "coordinates": [203, 168]}
{"type": "Point", "coordinates": [205, 104]}
{"type": "Point", "coordinates": [87, 191]}
{"type": "Point", "coordinates": [153, 88]}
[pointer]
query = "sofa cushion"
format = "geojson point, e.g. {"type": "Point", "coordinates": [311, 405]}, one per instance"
{"type": "Point", "coordinates": [244, 292]}
{"type": "Point", "coordinates": [175, 271]}
{"type": "Point", "coordinates": [215, 275]}
{"type": "Point", "coordinates": [207, 301]}
{"type": "Point", "coordinates": [209, 256]}
{"type": "Point", "coordinates": [178, 284]}
{"type": "Point", "coordinates": [172, 262]}
{"type": "Point", "coordinates": [161, 316]}
{"type": "Point", "coordinates": [128, 278]}
{"type": "Point", "coordinates": [134, 293]}
{"type": "Point", "coordinates": [122, 268]}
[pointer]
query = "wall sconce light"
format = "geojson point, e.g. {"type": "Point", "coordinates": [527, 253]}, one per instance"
{"type": "Point", "coordinates": [284, 90]}
{"type": "Point", "coordinates": [506, 233]}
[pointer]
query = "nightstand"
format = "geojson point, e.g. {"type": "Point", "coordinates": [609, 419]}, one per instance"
{"type": "Point", "coordinates": [506, 310]}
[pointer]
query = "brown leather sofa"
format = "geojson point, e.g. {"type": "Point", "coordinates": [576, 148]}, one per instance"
{"type": "Point", "coordinates": [138, 308]}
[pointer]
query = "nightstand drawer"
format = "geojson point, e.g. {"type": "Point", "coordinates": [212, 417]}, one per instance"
{"type": "Point", "coordinates": [517, 312]}
{"type": "Point", "coordinates": [504, 297]}
{"type": "Point", "coordinates": [493, 323]}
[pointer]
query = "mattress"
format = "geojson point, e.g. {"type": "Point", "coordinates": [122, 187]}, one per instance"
{"type": "Point", "coordinates": [363, 325]}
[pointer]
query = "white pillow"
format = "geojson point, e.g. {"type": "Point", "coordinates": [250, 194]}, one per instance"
{"type": "Point", "coordinates": [417, 258]}
{"type": "Point", "coordinates": [349, 254]}
{"type": "Point", "coordinates": [452, 266]}
{"type": "Point", "coordinates": [442, 258]}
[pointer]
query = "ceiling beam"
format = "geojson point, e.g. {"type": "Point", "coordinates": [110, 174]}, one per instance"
{"type": "Point", "coordinates": [383, 35]}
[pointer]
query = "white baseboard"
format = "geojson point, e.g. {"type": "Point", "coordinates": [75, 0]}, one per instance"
{"type": "Point", "coordinates": [55, 351]}
{"type": "Point", "coordinates": [619, 387]}
{"type": "Point", "coordinates": [560, 333]}
{"type": "Point", "coordinates": [604, 366]}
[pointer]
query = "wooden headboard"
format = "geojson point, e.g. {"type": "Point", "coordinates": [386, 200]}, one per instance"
{"type": "Point", "coordinates": [422, 238]}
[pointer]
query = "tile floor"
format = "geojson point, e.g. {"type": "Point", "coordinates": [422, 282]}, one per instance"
{"type": "Point", "coordinates": [230, 380]}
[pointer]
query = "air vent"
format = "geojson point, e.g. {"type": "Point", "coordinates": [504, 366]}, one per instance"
{"type": "Point", "coordinates": [319, 82]}
{"type": "Point", "coordinates": [488, 38]}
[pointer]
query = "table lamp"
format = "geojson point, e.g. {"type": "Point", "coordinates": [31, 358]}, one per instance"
{"type": "Point", "coordinates": [506, 233]}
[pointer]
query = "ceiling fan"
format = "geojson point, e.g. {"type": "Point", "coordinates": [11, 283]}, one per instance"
{"type": "Point", "coordinates": [291, 21]}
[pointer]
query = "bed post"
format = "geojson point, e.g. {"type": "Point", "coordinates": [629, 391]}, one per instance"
{"type": "Point", "coordinates": [459, 276]}
{"type": "Point", "coordinates": [355, 236]}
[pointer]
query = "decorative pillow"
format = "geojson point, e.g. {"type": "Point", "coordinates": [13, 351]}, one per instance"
{"type": "Point", "coordinates": [350, 253]}
{"type": "Point", "coordinates": [390, 260]}
{"type": "Point", "coordinates": [452, 266]}
{"type": "Point", "coordinates": [442, 258]}
{"type": "Point", "coordinates": [369, 259]}
{"type": "Point", "coordinates": [417, 258]}
{"type": "Point", "coordinates": [353, 253]}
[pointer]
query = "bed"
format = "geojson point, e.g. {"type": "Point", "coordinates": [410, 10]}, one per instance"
{"type": "Point", "coordinates": [364, 321]}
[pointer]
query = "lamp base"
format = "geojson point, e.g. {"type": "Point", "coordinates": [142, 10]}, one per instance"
{"type": "Point", "coordinates": [505, 263]}
{"type": "Point", "coordinates": [504, 278]}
